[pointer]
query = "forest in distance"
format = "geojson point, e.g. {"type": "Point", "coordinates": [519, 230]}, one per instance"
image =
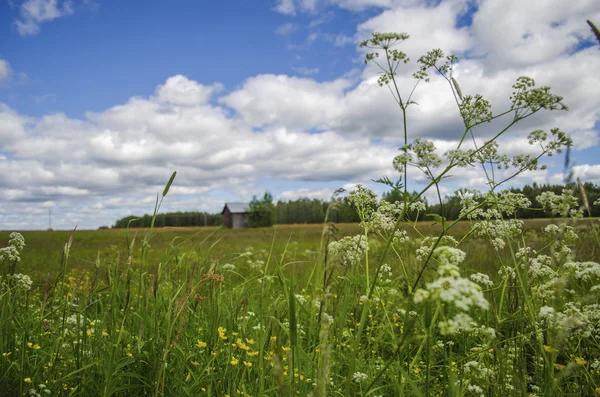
{"type": "Point", "coordinates": [306, 211]}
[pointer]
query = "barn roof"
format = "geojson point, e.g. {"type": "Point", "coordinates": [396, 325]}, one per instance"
{"type": "Point", "coordinates": [237, 208]}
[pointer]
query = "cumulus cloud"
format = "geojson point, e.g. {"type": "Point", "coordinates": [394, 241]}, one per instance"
{"type": "Point", "coordinates": [587, 172]}
{"type": "Point", "coordinates": [530, 33]}
{"type": "Point", "coordinates": [35, 12]}
{"type": "Point", "coordinates": [129, 150]}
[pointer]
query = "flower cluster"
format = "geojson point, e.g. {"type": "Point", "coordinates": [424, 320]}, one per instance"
{"type": "Point", "coordinates": [565, 205]}
{"type": "Point", "coordinates": [453, 290]}
{"type": "Point", "coordinates": [349, 251]}
{"type": "Point", "coordinates": [16, 243]}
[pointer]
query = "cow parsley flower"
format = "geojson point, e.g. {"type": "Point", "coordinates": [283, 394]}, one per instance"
{"type": "Point", "coordinates": [349, 250]}
{"type": "Point", "coordinates": [482, 279]}
{"type": "Point", "coordinates": [16, 240]}
{"type": "Point", "coordinates": [20, 281]}
{"type": "Point", "coordinates": [564, 205]}
{"type": "Point", "coordinates": [359, 377]}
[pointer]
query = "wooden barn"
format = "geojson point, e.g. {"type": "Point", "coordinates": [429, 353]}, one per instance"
{"type": "Point", "coordinates": [236, 215]}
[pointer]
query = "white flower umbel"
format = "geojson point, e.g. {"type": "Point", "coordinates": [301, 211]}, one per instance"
{"type": "Point", "coordinates": [453, 290]}
{"type": "Point", "coordinates": [359, 377]}
{"type": "Point", "coordinates": [349, 250]}
{"type": "Point", "coordinates": [564, 205]}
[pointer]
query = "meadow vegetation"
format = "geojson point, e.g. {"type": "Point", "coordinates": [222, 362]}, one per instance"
{"type": "Point", "coordinates": [484, 306]}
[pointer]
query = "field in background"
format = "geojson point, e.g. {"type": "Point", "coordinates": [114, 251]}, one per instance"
{"type": "Point", "coordinates": [44, 248]}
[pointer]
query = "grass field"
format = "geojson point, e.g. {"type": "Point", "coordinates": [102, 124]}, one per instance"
{"type": "Point", "coordinates": [45, 248]}
{"type": "Point", "coordinates": [255, 312]}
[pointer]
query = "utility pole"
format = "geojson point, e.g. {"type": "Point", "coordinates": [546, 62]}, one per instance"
{"type": "Point", "coordinates": [49, 218]}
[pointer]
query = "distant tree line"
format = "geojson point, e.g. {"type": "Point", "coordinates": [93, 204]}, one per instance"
{"type": "Point", "coordinates": [264, 212]}
{"type": "Point", "coordinates": [305, 210]}
{"type": "Point", "coordinates": [176, 219]}
{"type": "Point", "coordinates": [452, 204]}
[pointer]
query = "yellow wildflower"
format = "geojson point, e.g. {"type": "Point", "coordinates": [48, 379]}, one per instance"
{"type": "Point", "coordinates": [30, 345]}
{"type": "Point", "coordinates": [252, 354]}
{"type": "Point", "coordinates": [247, 364]}
{"type": "Point", "coordinates": [580, 361]}
{"type": "Point", "coordinates": [242, 345]}
{"type": "Point", "coordinates": [286, 349]}
{"type": "Point", "coordinates": [195, 363]}
{"type": "Point", "coordinates": [559, 366]}
{"type": "Point", "coordinates": [200, 344]}
{"type": "Point", "coordinates": [27, 380]}
{"type": "Point", "coordinates": [221, 331]}
{"type": "Point", "coordinates": [548, 349]}
{"type": "Point", "coordinates": [273, 338]}
{"type": "Point", "coordinates": [234, 361]}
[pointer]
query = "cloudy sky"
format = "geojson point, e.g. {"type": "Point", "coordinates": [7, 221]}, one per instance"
{"type": "Point", "coordinates": [100, 101]}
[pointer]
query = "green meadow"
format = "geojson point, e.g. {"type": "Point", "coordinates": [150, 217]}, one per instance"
{"type": "Point", "coordinates": [272, 311]}
{"type": "Point", "coordinates": [299, 242]}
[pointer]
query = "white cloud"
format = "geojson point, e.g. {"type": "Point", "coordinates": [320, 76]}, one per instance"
{"type": "Point", "coordinates": [179, 90]}
{"type": "Point", "coordinates": [512, 33]}
{"type": "Point", "coordinates": [340, 40]}
{"type": "Point", "coordinates": [35, 12]}
{"type": "Point", "coordinates": [587, 172]}
{"type": "Point", "coordinates": [439, 31]}
{"type": "Point", "coordinates": [5, 70]}
{"type": "Point", "coordinates": [286, 7]}
{"type": "Point", "coordinates": [289, 7]}
{"type": "Point", "coordinates": [320, 194]}
{"type": "Point", "coordinates": [290, 101]}
{"type": "Point", "coordinates": [12, 126]}
{"type": "Point", "coordinates": [286, 29]}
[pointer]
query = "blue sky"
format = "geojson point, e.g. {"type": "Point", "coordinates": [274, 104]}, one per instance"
{"type": "Point", "coordinates": [103, 54]}
{"type": "Point", "coordinates": [101, 100]}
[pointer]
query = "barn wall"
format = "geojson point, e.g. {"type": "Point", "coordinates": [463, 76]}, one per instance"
{"type": "Point", "coordinates": [239, 220]}
{"type": "Point", "coordinates": [227, 218]}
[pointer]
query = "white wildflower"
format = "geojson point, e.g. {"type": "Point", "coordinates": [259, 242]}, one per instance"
{"type": "Point", "coordinates": [546, 312]}
{"type": "Point", "coordinates": [482, 279]}
{"type": "Point", "coordinates": [421, 295]}
{"type": "Point", "coordinates": [228, 266]}
{"type": "Point", "coordinates": [20, 281]}
{"type": "Point", "coordinates": [359, 377]}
